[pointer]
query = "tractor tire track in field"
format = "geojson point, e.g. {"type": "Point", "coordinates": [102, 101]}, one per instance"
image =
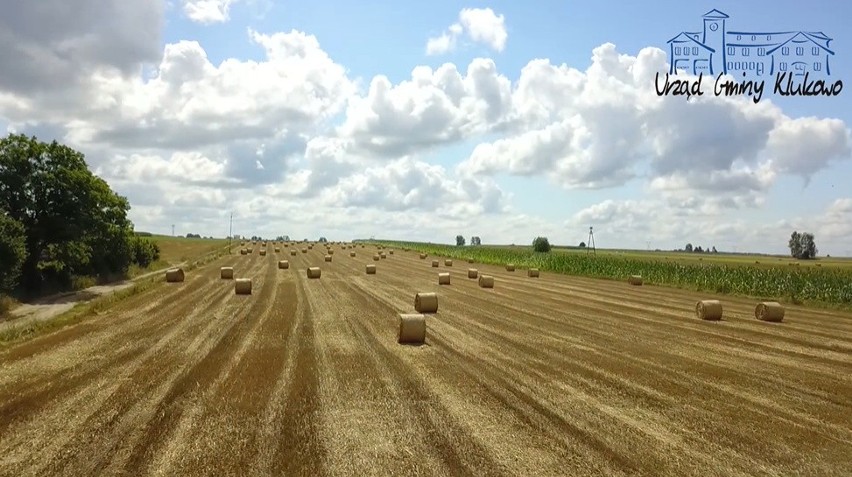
{"type": "Point", "coordinates": [551, 376]}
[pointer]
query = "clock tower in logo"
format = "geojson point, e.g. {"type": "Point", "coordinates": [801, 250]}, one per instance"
{"type": "Point", "coordinates": [714, 37]}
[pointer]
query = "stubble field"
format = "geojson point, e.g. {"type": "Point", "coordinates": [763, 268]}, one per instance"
{"type": "Point", "coordinates": [555, 375]}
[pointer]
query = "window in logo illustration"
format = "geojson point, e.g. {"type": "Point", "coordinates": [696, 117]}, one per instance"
{"type": "Point", "coordinates": [799, 68]}
{"type": "Point", "coordinates": [714, 26]}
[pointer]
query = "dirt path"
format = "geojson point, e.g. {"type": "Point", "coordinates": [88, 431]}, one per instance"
{"type": "Point", "coordinates": [549, 376]}
{"type": "Point", "coordinates": [52, 306]}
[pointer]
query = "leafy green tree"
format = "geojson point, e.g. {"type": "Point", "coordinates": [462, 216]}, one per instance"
{"type": "Point", "coordinates": [323, 240]}
{"type": "Point", "coordinates": [688, 248]}
{"type": "Point", "coordinates": [541, 244]}
{"type": "Point", "coordinates": [74, 224]}
{"type": "Point", "coordinates": [13, 251]}
{"type": "Point", "coordinates": [459, 240]}
{"type": "Point", "coordinates": [802, 245]}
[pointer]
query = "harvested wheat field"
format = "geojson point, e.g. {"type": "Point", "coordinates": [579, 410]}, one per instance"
{"type": "Point", "coordinates": [535, 377]}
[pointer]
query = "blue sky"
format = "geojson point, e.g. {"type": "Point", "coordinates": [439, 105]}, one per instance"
{"type": "Point", "coordinates": [387, 38]}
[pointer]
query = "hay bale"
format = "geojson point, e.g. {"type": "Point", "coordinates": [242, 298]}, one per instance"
{"type": "Point", "coordinates": [769, 311]}
{"type": "Point", "coordinates": [250, 250]}
{"type": "Point", "coordinates": [371, 269]}
{"type": "Point", "coordinates": [242, 286]}
{"type": "Point", "coordinates": [226, 273]}
{"type": "Point", "coordinates": [242, 244]}
{"type": "Point", "coordinates": [277, 249]}
{"type": "Point", "coordinates": [422, 256]}
{"type": "Point", "coordinates": [243, 251]}
{"type": "Point", "coordinates": [412, 329]}
{"type": "Point", "coordinates": [328, 258]}
{"type": "Point", "coordinates": [510, 267]}
{"type": "Point", "coordinates": [293, 253]}
{"type": "Point", "coordinates": [472, 273]}
{"type": "Point", "coordinates": [533, 273]}
{"type": "Point", "coordinates": [486, 281]}
{"type": "Point", "coordinates": [174, 275]}
{"type": "Point", "coordinates": [304, 250]}
{"type": "Point", "coordinates": [448, 263]}
{"type": "Point", "coordinates": [390, 252]}
{"type": "Point", "coordinates": [444, 278]}
{"type": "Point", "coordinates": [330, 252]}
{"type": "Point", "coordinates": [263, 252]}
{"type": "Point", "coordinates": [314, 272]}
{"type": "Point", "coordinates": [426, 302]}
{"type": "Point", "coordinates": [470, 260]}
{"type": "Point", "coordinates": [351, 254]}
{"type": "Point", "coordinates": [376, 257]}
{"type": "Point", "coordinates": [708, 310]}
{"type": "Point", "coordinates": [283, 264]}
{"type": "Point", "coordinates": [635, 280]}
{"type": "Point", "coordinates": [434, 264]}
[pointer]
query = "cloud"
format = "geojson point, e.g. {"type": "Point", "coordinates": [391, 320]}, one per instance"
{"type": "Point", "coordinates": [55, 44]}
{"type": "Point", "coordinates": [481, 25]}
{"type": "Point", "coordinates": [289, 140]}
{"type": "Point", "coordinates": [208, 11]}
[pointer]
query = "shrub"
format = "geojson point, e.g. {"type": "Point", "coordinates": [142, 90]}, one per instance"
{"type": "Point", "coordinates": [541, 244]}
{"type": "Point", "coordinates": [144, 252]}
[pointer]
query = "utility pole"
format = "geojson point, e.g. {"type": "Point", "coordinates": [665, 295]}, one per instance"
{"type": "Point", "coordinates": [173, 230]}
{"type": "Point", "coordinates": [230, 232]}
{"type": "Point", "coordinates": [591, 243]}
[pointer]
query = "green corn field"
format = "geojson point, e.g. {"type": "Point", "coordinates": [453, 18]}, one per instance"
{"type": "Point", "coordinates": [831, 286]}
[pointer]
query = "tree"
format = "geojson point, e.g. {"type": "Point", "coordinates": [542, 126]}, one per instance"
{"type": "Point", "coordinates": [73, 223]}
{"type": "Point", "coordinates": [475, 241]}
{"type": "Point", "coordinates": [688, 248]}
{"type": "Point", "coordinates": [541, 244]}
{"type": "Point", "coordinates": [13, 251]}
{"type": "Point", "coordinates": [323, 240]}
{"type": "Point", "coordinates": [459, 240]}
{"type": "Point", "coordinates": [698, 249]}
{"type": "Point", "coordinates": [802, 245]}
{"type": "Point", "coordinates": [582, 244]}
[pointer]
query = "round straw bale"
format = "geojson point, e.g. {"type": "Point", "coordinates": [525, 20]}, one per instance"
{"type": "Point", "coordinates": [486, 281]}
{"type": "Point", "coordinates": [371, 269]}
{"type": "Point", "coordinates": [314, 272]}
{"type": "Point", "coordinates": [470, 260]}
{"type": "Point", "coordinates": [426, 302]}
{"type": "Point", "coordinates": [175, 275]}
{"type": "Point", "coordinates": [390, 252]}
{"type": "Point", "coordinates": [304, 250]}
{"type": "Point", "coordinates": [293, 253]}
{"type": "Point", "coordinates": [242, 286]}
{"type": "Point", "coordinates": [708, 310]}
{"type": "Point", "coordinates": [226, 273]}
{"type": "Point", "coordinates": [510, 267]}
{"type": "Point", "coordinates": [444, 278]}
{"type": "Point", "coordinates": [448, 263]}
{"type": "Point", "coordinates": [242, 244]}
{"type": "Point", "coordinates": [283, 264]}
{"type": "Point", "coordinates": [376, 257]}
{"type": "Point", "coordinates": [330, 252]}
{"type": "Point", "coordinates": [434, 263]}
{"type": "Point", "coordinates": [422, 256]}
{"type": "Point", "coordinates": [532, 273]}
{"type": "Point", "coordinates": [472, 273]}
{"type": "Point", "coordinates": [412, 328]}
{"type": "Point", "coordinates": [277, 249]}
{"type": "Point", "coordinates": [243, 251]}
{"type": "Point", "coordinates": [635, 280]}
{"type": "Point", "coordinates": [769, 311]}
{"type": "Point", "coordinates": [351, 254]}
{"type": "Point", "coordinates": [328, 258]}
{"type": "Point", "coordinates": [263, 252]}
{"type": "Point", "coordinates": [250, 250]}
